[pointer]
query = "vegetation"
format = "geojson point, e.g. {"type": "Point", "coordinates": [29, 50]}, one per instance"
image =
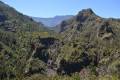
{"type": "Point", "coordinates": [86, 48]}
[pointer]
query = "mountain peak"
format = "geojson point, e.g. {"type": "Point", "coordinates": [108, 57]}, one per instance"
{"type": "Point", "coordinates": [84, 14]}
{"type": "Point", "coordinates": [88, 10]}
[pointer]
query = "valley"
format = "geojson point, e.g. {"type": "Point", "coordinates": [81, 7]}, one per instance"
{"type": "Point", "coordinates": [84, 47]}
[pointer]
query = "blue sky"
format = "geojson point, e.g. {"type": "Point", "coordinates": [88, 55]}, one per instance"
{"type": "Point", "coordinates": [50, 8]}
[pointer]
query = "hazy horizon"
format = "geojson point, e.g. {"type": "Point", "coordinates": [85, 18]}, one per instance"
{"type": "Point", "coordinates": [48, 9]}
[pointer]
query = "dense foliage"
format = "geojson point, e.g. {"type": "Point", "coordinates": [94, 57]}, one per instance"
{"type": "Point", "coordinates": [86, 48]}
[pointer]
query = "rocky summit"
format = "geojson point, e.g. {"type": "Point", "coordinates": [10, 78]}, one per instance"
{"type": "Point", "coordinates": [86, 47]}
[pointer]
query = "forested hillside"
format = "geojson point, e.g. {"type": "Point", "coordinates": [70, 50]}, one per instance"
{"type": "Point", "coordinates": [85, 48]}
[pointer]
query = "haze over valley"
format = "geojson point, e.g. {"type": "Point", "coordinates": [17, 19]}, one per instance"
{"type": "Point", "coordinates": [71, 46]}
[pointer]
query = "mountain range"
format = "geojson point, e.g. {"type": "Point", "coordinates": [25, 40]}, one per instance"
{"type": "Point", "coordinates": [53, 21]}
{"type": "Point", "coordinates": [85, 47]}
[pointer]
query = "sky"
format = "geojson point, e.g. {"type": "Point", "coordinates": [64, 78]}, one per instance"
{"type": "Point", "coordinates": [50, 8]}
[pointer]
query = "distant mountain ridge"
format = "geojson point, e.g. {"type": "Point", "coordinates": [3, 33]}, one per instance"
{"type": "Point", "coordinates": [12, 20]}
{"type": "Point", "coordinates": [53, 21]}
{"type": "Point", "coordinates": [86, 47]}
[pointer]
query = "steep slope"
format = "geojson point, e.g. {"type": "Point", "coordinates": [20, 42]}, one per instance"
{"type": "Point", "coordinates": [86, 22]}
{"type": "Point", "coordinates": [51, 22]}
{"type": "Point", "coordinates": [88, 48]}
{"type": "Point", "coordinates": [19, 41]}
{"type": "Point", "coordinates": [89, 45]}
{"type": "Point", "coordinates": [11, 20]}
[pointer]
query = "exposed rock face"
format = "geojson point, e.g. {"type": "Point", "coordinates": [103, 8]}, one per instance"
{"type": "Point", "coordinates": [89, 33]}
{"type": "Point", "coordinates": [105, 31]}
{"type": "Point", "coordinates": [87, 44]}
{"type": "Point", "coordinates": [87, 21]}
{"type": "Point", "coordinates": [84, 14]}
